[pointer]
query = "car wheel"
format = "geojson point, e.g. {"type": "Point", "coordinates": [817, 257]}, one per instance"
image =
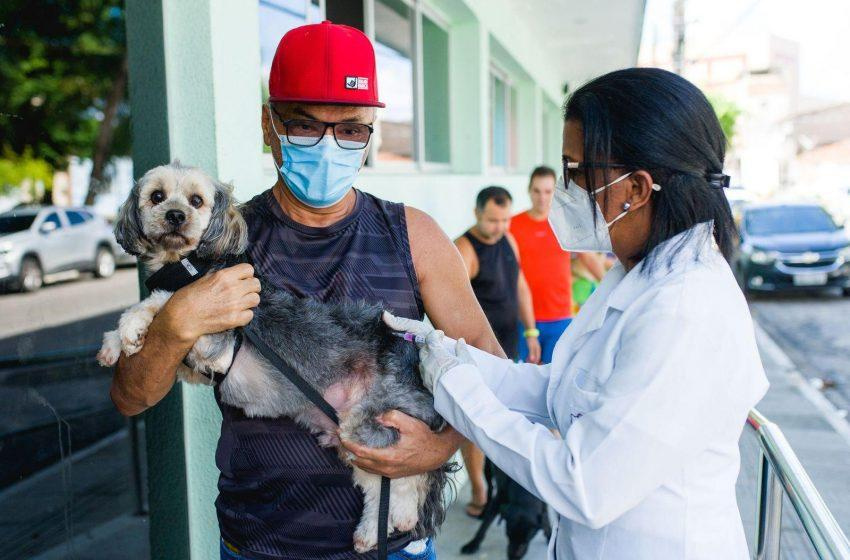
{"type": "Point", "coordinates": [846, 292]}
{"type": "Point", "coordinates": [104, 263]}
{"type": "Point", "coordinates": [31, 276]}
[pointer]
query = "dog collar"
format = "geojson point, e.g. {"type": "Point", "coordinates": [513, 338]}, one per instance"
{"type": "Point", "coordinates": [173, 276]}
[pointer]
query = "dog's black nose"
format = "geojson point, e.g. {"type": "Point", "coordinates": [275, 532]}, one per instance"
{"type": "Point", "coordinates": [175, 217]}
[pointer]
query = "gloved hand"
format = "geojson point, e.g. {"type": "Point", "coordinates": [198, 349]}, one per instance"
{"type": "Point", "coordinates": [401, 324]}
{"type": "Point", "coordinates": [435, 360]}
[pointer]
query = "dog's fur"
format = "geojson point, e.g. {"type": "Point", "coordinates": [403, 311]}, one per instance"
{"type": "Point", "coordinates": [523, 513]}
{"type": "Point", "coordinates": [344, 350]}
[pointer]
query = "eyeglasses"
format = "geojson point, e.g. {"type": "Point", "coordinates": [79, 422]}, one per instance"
{"type": "Point", "coordinates": [573, 169]}
{"type": "Point", "coordinates": [305, 132]}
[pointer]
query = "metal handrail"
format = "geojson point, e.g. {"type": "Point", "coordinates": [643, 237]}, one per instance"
{"type": "Point", "coordinates": [780, 471]}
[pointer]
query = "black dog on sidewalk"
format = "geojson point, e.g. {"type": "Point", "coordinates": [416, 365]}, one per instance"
{"type": "Point", "coordinates": [523, 513]}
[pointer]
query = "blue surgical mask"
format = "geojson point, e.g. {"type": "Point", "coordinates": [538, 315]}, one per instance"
{"type": "Point", "coordinates": [320, 175]}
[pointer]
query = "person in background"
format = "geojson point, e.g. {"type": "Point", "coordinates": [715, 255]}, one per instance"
{"type": "Point", "coordinates": [546, 267]}
{"type": "Point", "coordinates": [492, 261]}
{"type": "Point", "coordinates": [585, 281]}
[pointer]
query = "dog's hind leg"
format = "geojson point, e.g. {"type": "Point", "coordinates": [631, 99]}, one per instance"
{"type": "Point", "coordinates": [366, 534]}
{"type": "Point", "coordinates": [404, 501]}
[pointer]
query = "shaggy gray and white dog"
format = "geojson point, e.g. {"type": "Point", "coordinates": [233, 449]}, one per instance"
{"type": "Point", "coordinates": [343, 350]}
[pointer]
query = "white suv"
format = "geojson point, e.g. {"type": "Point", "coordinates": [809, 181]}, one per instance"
{"type": "Point", "coordinates": [39, 241]}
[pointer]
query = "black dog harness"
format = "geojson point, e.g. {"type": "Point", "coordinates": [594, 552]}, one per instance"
{"type": "Point", "coordinates": [173, 276]}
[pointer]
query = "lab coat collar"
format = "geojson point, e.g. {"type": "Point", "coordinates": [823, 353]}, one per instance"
{"type": "Point", "coordinates": [691, 245]}
{"type": "Point", "coordinates": [620, 288]}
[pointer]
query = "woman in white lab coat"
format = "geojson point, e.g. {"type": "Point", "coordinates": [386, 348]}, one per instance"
{"type": "Point", "coordinates": [650, 385]}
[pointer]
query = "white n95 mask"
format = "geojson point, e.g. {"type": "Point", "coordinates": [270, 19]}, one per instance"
{"type": "Point", "coordinates": [572, 218]}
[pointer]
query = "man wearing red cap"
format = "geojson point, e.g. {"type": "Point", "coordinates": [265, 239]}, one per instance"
{"type": "Point", "coordinates": [312, 233]}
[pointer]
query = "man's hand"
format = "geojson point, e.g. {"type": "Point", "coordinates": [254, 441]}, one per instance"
{"type": "Point", "coordinates": [534, 351]}
{"type": "Point", "coordinates": [417, 451]}
{"type": "Point", "coordinates": [219, 301]}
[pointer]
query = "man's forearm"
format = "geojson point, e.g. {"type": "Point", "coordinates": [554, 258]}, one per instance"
{"type": "Point", "coordinates": [452, 438]}
{"type": "Point", "coordinates": [526, 307]}
{"type": "Point", "coordinates": [143, 379]}
{"type": "Point", "coordinates": [593, 263]}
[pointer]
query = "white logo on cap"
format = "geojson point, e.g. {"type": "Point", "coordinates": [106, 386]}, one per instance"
{"type": "Point", "coordinates": [356, 82]}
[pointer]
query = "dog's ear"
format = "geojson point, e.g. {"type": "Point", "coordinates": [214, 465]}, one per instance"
{"type": "Point", "coordinates": [227, 232]}
{"type": "Point", "coordinates": [128, 224]}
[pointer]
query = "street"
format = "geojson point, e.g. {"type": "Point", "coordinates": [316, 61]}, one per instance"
{"type": "Point", "coordinates": [65, 303]}
{"type": "Point", "coordinates": [814, 330]}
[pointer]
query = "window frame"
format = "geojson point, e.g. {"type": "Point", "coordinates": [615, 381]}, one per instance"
{"type": "Point", "coordinates": [497, 72]}
{"type": "Point", "coordinates": [418, 163]}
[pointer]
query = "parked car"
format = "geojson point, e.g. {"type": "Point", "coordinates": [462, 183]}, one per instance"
{"type": "Point", "coordinates": [39, 241]}
{"type": "Point", "coordinates": [792, 246]}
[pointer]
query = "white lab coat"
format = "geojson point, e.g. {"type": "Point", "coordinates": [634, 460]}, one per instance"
{"type": "Point", "coordinates": [650, 387]}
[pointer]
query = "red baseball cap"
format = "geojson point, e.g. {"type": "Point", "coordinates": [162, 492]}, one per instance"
{"type": "Point", "coordinates": [325, 63]}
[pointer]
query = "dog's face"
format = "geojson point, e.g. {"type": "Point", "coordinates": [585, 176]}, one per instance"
{"type": "Point", "coordinates": [175, 206]}
{"type": "Point", "coordinates": [175, 209]}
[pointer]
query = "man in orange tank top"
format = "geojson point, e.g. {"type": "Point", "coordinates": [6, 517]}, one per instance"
{"type": "Point", "coordinates": [546, 266]}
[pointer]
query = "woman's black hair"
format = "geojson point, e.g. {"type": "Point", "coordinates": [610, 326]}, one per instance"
{"type": "Point", "coordinates": [652, 119]}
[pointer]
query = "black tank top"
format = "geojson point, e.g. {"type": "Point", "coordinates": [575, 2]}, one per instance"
{"type": "Point", "coordinates": [495, 286]}
{"type": "Point", "coordinates": [281, 496]}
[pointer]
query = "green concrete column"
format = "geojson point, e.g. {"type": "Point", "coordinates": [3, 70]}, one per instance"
{"type": "Point", "coordinates": [469, 108]}
{"type": "Point", "coordinates": [194, 96]}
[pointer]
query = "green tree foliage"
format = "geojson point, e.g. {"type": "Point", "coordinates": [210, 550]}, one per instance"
{"type": "Point", "coordinates": [727, 113]}
{"type": "Point", "coordinates": [59, 60]}
{"type": "Point", "coordinates": [16, 169]}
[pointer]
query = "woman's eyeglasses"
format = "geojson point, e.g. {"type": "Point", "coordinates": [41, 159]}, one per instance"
{"type": "Point", "coordinates": [575, 170]}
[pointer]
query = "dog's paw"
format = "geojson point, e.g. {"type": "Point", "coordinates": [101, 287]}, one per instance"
{"type": "Point", "coordinates": [366, 534]}
{"type": "Point", "coordinates": [363, 544]}
{"type": "Point", "coordinates": [405, 524]}
{"type": "Point", "coordinates": [111, 349]}
{"type": "Point", "coordinates": [403, 514]}
{"type": "Point", "coordinates": [108, 357]}
{"type": "Point", "coordinates": [133, 335]}
{"type": "Point", "coordinates": [132, 342]}
{"type": "Point", "coordinates": [469, 548]}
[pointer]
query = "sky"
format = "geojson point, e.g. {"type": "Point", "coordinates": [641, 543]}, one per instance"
{"type": "Point", "coordinates": [820, 27]}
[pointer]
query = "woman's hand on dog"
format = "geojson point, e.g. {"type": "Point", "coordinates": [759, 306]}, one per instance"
{"type": "Point", "coordinates": [220, 301]}
{"type": "Point", "coordinates": [418, 449]}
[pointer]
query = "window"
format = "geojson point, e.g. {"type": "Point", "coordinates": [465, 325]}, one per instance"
{"type": "Point", "coordinates": [502, 121]}
{"type": "Point", "coordinates": [11, 223]}
{"type": "Point", "coordinates": [75, 218]}
{"type": "Point", "coordinates": [435, 86]}
{"type": "Point", "coordinates": [53, 217]}
{"type": "Point", "coordinates": [394, 57]}
{"type": "Point", "coordinates": [276, 18]}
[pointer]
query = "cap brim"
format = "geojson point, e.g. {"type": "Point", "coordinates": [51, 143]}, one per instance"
{"type": "Point", "coordinates": [346, 102]}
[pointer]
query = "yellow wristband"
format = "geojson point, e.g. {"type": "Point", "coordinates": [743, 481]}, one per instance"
{"type": "Point", "coordinates": [531, 332]}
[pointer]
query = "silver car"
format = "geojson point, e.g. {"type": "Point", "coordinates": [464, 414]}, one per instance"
{"type": "Point", "coordinates": [37, 243]}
